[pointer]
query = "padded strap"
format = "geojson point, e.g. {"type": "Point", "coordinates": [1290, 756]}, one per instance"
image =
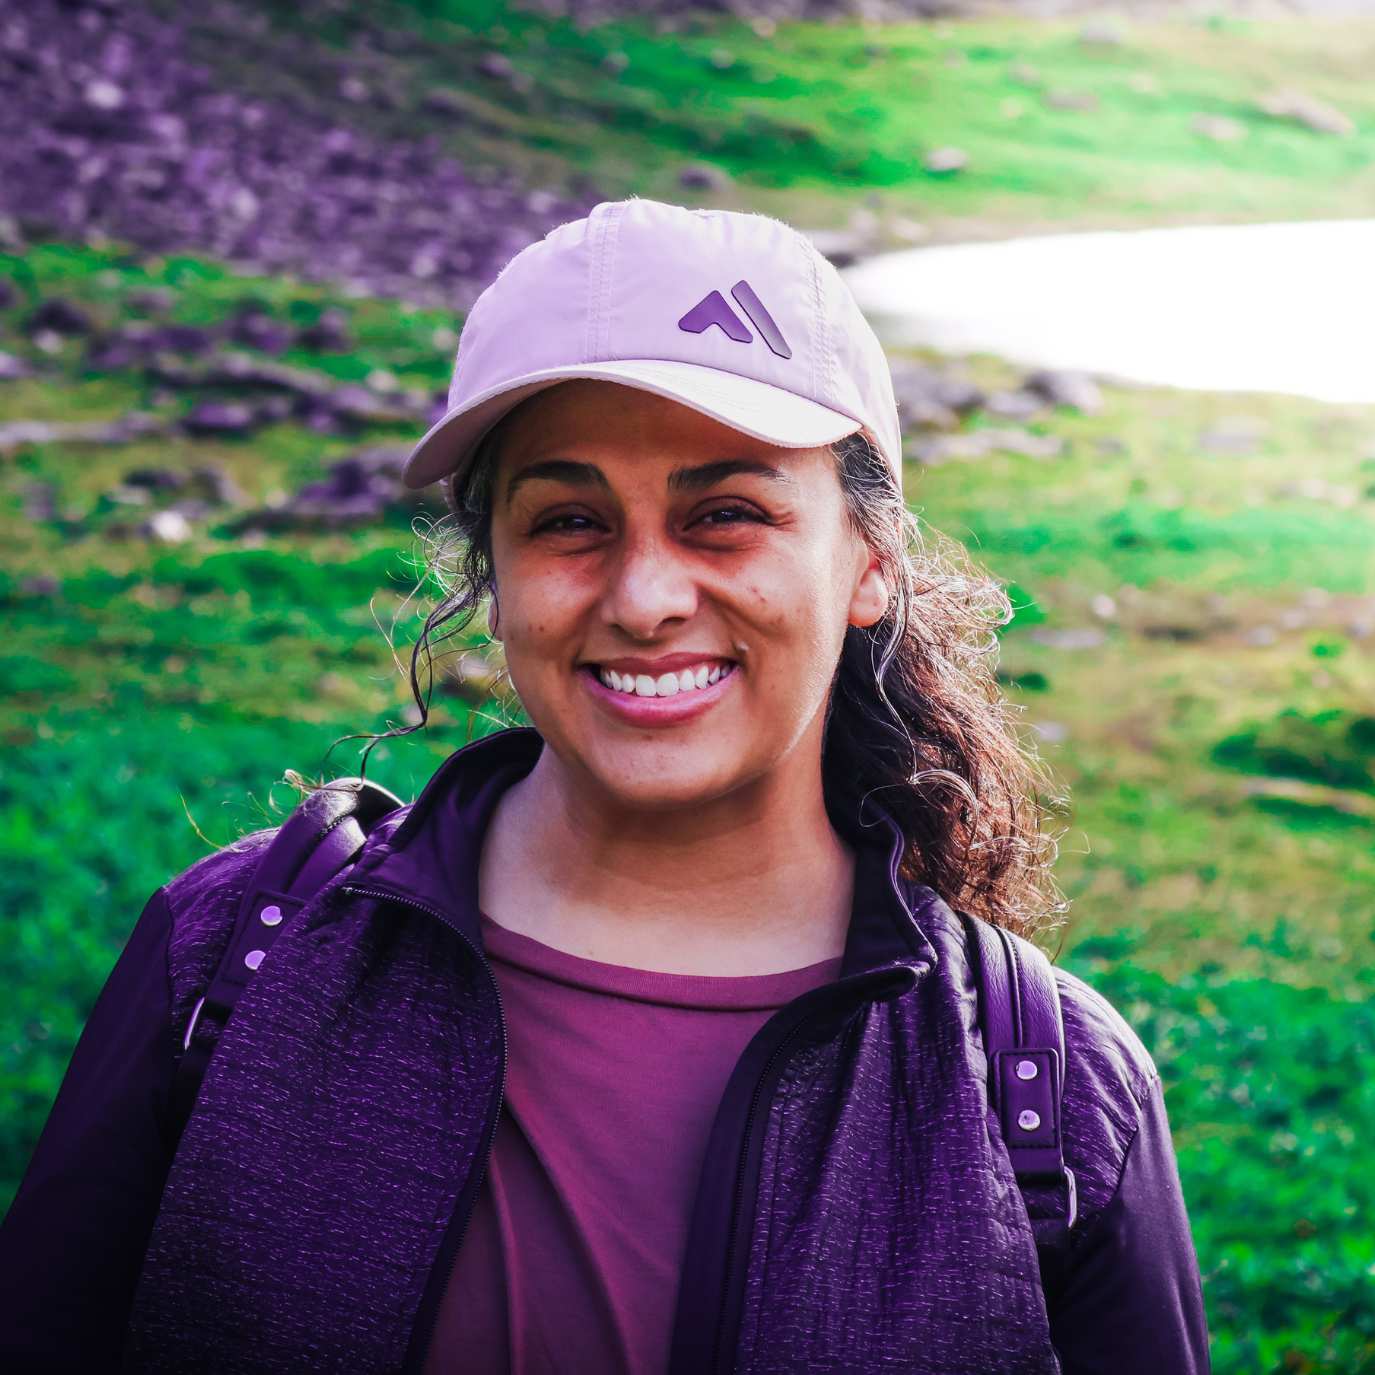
{"type": "Point", "coordinates": [319, 839]}
{"type": "Point", "coordinates": [1024, 1039]}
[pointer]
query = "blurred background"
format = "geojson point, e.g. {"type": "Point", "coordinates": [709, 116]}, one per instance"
{"type": "Point", "coordinates": [1119, 261]}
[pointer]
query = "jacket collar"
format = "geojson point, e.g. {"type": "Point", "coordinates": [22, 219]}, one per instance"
{"type": "Point", "coordinates": [431, 856]}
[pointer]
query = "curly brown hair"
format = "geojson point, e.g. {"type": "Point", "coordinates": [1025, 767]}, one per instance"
{"type": "Point", "coordinates": [916, 723]}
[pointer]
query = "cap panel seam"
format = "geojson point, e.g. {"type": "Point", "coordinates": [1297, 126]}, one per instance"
{"type": "Point", "coordinates": [596, 237]}
{"type": "Point", "coordinates": [613, 248]}
{"type": "Point", "coordinates": [819, 316]}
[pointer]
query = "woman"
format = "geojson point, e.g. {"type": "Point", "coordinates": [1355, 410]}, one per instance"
{"type": "Point", "coordinates": [645, 1039]}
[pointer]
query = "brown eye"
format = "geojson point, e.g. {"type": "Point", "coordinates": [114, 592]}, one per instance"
{"type": "Point", "coordinates": [566, 525]}
{"type": "Point", "coordinates": [724, 516]}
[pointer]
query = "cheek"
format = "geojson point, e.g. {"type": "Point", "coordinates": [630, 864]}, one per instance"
{"type": "Point", "coordinates": [540, 607]}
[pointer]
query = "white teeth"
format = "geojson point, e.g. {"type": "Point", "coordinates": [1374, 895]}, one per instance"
{"type": "Point", "coordinates": [667, 684]}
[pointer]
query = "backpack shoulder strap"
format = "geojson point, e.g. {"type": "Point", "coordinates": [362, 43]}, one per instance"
{"type": "Point", "coordinates": [1024, 1039]}
{"type": "Point", "coordinates": [322, 835]}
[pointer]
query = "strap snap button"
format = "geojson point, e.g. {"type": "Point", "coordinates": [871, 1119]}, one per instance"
{"type": "Point", "coordinates": [270, 916]}
{"type": "Point", "coordinates": [1027, 1069]}
{"type": "Point", "coordinates": [1028, 1120]}
{"type": "Point", "coordinates": [255, 957]}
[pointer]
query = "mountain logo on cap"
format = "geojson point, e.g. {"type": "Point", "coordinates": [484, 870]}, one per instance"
{"type": "Point", "coordinates": [714, 309]}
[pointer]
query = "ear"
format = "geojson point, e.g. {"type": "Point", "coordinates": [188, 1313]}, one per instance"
{"type": "Point", "coordinates": [494, 617]}
{"type": "Point", "coordinates": [869, 601]}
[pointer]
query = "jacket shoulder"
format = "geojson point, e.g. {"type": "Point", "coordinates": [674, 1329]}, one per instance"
{"type": "Point", "coordinates": [1109, 1075]}
{"type": "Point", "coordinates": [203, 902]}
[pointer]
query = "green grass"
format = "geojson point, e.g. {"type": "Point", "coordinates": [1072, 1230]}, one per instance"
{"type": "Point", "coordinates": [1219, 840]}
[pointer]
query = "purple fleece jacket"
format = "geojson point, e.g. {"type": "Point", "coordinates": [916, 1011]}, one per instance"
{"type": "Point", "coordinates": [856, 1209]}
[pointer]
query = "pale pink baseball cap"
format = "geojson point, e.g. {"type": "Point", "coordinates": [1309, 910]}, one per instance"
{"type": "Point", "coordinates": [733, 313]}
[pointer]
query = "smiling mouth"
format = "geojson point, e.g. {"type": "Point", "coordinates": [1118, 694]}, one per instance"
{"type": "Point", "coordinates": [686, 680]}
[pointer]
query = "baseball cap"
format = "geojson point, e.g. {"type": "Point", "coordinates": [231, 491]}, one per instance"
{"type": "Point", "coordinates": [733, 313]}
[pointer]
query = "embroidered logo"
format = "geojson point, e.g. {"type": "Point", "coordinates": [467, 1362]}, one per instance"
{"type": "Point", "coordinates": [714, 309]}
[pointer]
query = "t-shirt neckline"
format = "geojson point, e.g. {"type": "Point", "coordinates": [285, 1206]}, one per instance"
{"type": "Point", "coordinates": [721, 991]}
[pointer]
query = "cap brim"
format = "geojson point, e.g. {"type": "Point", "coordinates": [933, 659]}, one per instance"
{"type": "Point", "coordinates": [765, 412]}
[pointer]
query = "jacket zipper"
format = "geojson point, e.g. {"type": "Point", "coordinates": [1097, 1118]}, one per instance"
{"type": "Point", "coordinates": [475, 1179]}
{"type": "Point", "coordinates": [732, 1233]}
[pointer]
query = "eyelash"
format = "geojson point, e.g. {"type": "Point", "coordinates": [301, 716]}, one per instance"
{"type": "Point", "coordinates": [554, 523]}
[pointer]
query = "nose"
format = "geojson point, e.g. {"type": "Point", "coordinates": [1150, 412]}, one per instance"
{"type": "Point", "coordinates": [649, 588]}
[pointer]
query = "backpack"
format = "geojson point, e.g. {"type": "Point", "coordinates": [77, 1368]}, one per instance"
{"type": "Point", "coordinates": [1019, 1003]}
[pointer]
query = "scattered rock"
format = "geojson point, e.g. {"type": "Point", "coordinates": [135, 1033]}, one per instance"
{"type": "Point", "coordinates": [1014, 405]}
{"type": "Point", "coordinates": [136, 425]}
{"type": "Point", "coordinates": [1024, 74]}
{"type": "Point", "coordinates": [497, 66]}
{"type": "Point", "coordinates": [614, 63]}
{"type": "Point", "coordinates": [918, 389]}
{"type": "Point", "coordinates": [155, 479]}
{"type": "Point", "coordinates": [12, 369]}
{"type": "Point", "coordinates": [58, 316]}
{"type": "Point", "coordinates": [442, 101]}
{"type": "Point", "coordinates": [216, 485]}
{"type": "Point", "coordinates": [1317, 489]}
{"type": "Point", "coordinates": [703, 176]}
{"type": "Point", "coordinates": [118, 129]}
{"type": "Point", "coordinates": [1062, 387]}
{"type": "Point", "coordinates": [979, 443]}
{"type": "Point", "coordinates": [945, 160]}
{"type": "Point", "coordinates": [1219, 128]}
{"type": "Point", "coordinates": [329, 334]}
{"type": "Point", "coordinates": [220, 419]}
{"type": "Point", "coordinates": [254, 328]}
{"type": "Point", "coordinates": [1073, 637]}
{"type": "Point", "coordinates": [1060, 98]}
{"type": "Point", "coordinates": [43, 585]}
{"type": "Point", "coordinates": [356, 490]}
{"type": "Point", "coordinates": [841, 247]}
{"type": "Point", "coordinates": [39, 501]}
{"type": "Point", "coordinates": [166, 527]}
{"type": "Point", "coordinates": [361, 405]}
{"type": "Point", "coordinates": [1233, 435]}
{"type": "Point", "coordinates": [1103, 32]}
{"type": "Point", "coordinates": [1299, 108]}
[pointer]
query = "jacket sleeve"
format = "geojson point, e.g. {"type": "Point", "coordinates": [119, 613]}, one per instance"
{"type": "Point", "coordinates": [72, 1243]}
{"type": "Point", "coordinates": [1131, 1299]}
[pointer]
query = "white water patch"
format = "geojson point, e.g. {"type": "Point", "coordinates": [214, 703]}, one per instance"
{"type": "Point", "coordinates": [1264, 307]}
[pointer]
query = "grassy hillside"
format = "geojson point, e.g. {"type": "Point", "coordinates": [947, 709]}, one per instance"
{"type": "Point", "coordinates": [1066, 123]}
{"type": "Point", "coordinates": [1196, 575]}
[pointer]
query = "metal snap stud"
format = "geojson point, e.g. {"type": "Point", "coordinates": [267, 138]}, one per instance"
{"type": "Point", "coordinates": [271, 916]}
{"type": "Point", "coordinates": [255, 957]}
{"type": "Point", "coordinates": [1028, 1120]}
{"type": "Point", "coordinates": [1027, 1069]}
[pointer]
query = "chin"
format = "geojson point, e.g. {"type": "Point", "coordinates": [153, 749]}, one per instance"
{"type": "Point", "coordinates": [656, 775]}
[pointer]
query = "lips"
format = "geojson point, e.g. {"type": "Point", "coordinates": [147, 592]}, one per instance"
{"type": "Point", "coordinates": [655, 668]}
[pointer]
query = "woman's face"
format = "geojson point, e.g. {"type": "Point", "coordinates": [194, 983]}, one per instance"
{"type": "Point", "coordinates": [712, 574]}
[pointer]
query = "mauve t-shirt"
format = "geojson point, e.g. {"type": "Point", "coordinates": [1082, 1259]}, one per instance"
{"type": "Point", "coordinates": [571, 1258]}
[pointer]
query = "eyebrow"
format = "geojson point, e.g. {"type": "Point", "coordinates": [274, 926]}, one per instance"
{"type": "Point", "coordinates": [694, 479]}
